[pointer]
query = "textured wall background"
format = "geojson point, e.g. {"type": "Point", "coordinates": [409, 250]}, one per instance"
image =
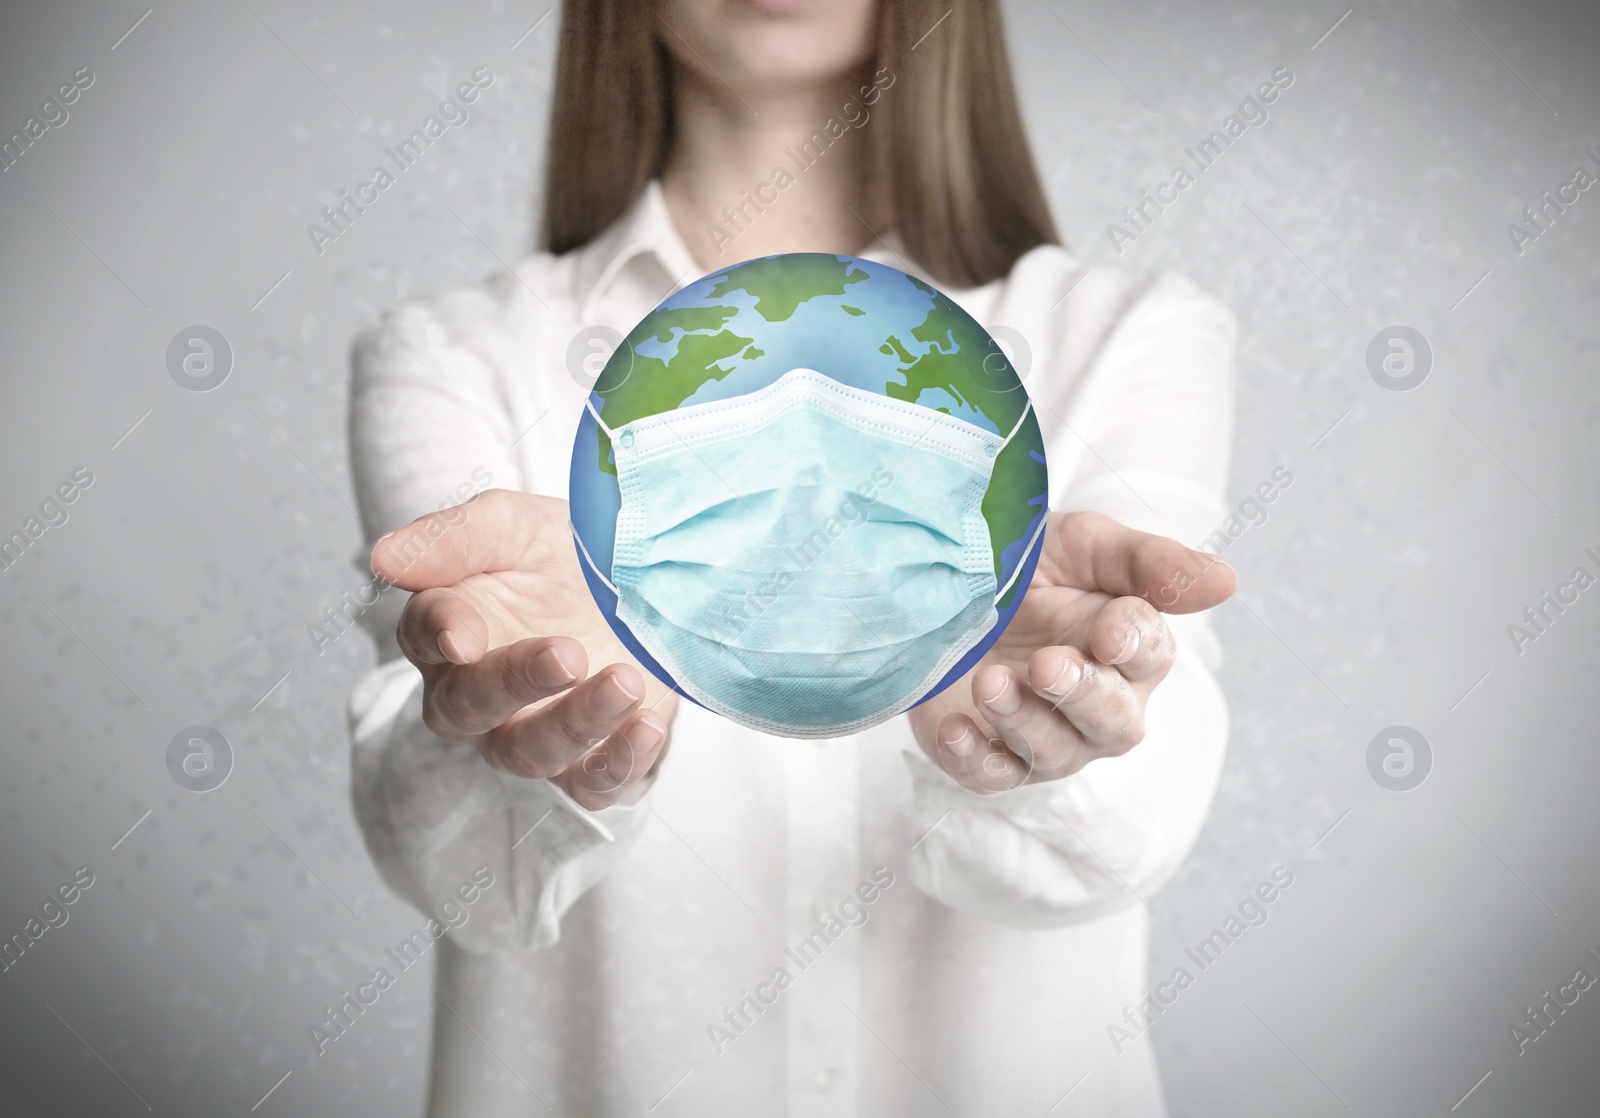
{"type": "Point", "coordinates": [1377, 592]}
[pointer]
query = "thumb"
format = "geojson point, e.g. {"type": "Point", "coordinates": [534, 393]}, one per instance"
{"type": "Point", "coordinates": [498, 530]}
{"type": "Point", "coordinates": [1090, 551]}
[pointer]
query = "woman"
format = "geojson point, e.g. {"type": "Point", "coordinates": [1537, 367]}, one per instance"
{"type": "Point", "coordinates": [943, 913]}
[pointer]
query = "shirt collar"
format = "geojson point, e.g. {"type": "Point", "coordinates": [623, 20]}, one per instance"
{"type": "Point", "coordinates": [646, 230]}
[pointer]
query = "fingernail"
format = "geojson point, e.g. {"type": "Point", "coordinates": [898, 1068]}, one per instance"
{"type": "Point", "coordinates": [1130, 645]}
{"type": "Point", "coordinates": [551, 670]}
{"type": "Point", "coordinates": [1008, 701]}
{"type": "Point", "coordinates": [450, 645]}
{"type": "Point", "coordinates": [1066, 682]}
{"type": "Point", "coordinates": [372, 553]}
{"type": "Point", "coordinates": [611, 698]}
{"type": "Point", "coordinates": [645, 733]}
{"type": "Point", "coordinates": [960, 745]}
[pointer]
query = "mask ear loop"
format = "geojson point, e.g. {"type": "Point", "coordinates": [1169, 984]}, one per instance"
{"type": "Point", "coordinates": [1044, 519]}
{"type": "Point", "coordinates": [1023, 560]}
{"type": "Point", "coordinates": [588, 402]}
{"type": "Point", "coordinates": [595, 567]}
{"type": "Point", "coordinates": [1015, 428]}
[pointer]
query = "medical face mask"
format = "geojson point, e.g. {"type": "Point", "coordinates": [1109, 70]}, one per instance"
{"type": "Point", "coordinates": [809, 559]}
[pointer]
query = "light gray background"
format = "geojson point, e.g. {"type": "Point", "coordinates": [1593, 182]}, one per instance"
{"type": "Point", "coordinates": [1378, 591]}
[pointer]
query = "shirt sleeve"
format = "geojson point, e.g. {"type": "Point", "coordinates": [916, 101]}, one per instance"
{"type": "Point", "coordinates": [1147, 426]}
{"type": "Point", "coordinates": [431, 424]}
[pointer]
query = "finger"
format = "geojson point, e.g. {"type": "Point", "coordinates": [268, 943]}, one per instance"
{"type": "Point", "coordinates": [1094, 552]}
{"type": "Point", "coordinates": [442, 626]}
{"type": "Point", "coordinates": [608, 773]}
{"type": "Point", "coordinates": [1128, 634]}
{"type": "Point", "coordinates": [1029, 724]}
{"type": "Point", "coordinates": [474, 699]}
{"type": "Point", "coordinates": [974, 760]}
{"type": "Point", "coordinates": [497, 530]}
{"type": "Point", "coordinates": [1101, 704]}
{"type": "Point", "coordinates": [543, 741]}
{"type": "Point", "coordinates": [1064, 615]}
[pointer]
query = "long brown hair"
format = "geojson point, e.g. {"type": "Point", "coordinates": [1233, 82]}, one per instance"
{"type": "Point", "coordinates": [948, 147]}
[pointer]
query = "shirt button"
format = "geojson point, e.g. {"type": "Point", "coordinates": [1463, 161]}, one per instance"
{"type": "Point", "coordinates": [824, 1080]}
{"type": "Point", "coordinates": [820, 910]}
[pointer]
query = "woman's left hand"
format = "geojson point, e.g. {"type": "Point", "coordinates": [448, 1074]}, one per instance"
{"type": "Point", "coordinates": [1069, 679]}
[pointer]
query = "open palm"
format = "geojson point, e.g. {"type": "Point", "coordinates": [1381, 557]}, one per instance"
{"type": "Point", "coordinates": [1069, 678]}
{"type": "Point", "coordinates": [504, 630]}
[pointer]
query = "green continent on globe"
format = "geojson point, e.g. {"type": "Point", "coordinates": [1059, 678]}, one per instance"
{"type": "Point", "coordinates": [781, 283]}
{"type": "Point", "coordinates": [955, 361]}
{"type": "Point", "coordinates": [654, 385]}
{"type": "Point", "coordinates": [690, 320]}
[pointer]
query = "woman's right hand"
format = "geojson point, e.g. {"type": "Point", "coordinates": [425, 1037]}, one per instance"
{"type": "Point", "coordinates": [503, 628]}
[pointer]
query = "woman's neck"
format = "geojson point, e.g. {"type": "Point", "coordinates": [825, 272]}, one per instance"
{"type": "Point", "coordinates": [758, 174]}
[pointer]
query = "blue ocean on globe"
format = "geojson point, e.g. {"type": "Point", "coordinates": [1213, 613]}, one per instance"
{"type": "Point", "coordinates": [863, 324]}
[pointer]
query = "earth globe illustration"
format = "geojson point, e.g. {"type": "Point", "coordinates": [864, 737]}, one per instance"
{"type": "Point", "coordinates": [863, 324]}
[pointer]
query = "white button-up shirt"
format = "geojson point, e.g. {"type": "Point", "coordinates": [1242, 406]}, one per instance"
{"type": "Point", "coordinates": [783, 927]}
